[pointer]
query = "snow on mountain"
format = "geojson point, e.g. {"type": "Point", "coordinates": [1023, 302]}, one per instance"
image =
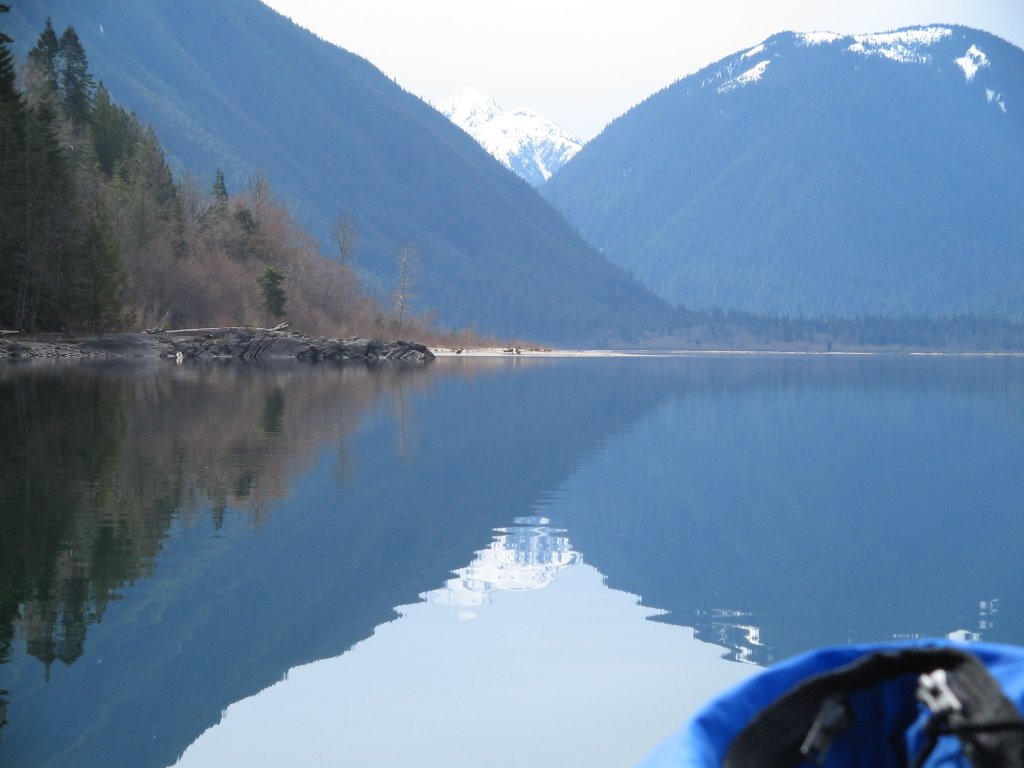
{"type": "Point", "coordinates": [522, 140]}
{"type": "Point", "coordinates": [470, 110]}
{"type": "Point", "coordinates": [752, 75]}
{"type": "Point", "coordinates": [927, 45]}
{"type": "Point", "coordinates": [906, 45]}
{"type": "Point", "coordinates": [972, 61]}
{"type": "Point", "coordinates": [816, 174]}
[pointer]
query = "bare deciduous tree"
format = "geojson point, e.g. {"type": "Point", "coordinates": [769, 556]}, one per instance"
{"type": "Point", "coordinates": [345, 238]}
{"type": "Point", "coordinates": [194, 203]}
{"type": "Point", "coordinates": [260, 197]}
{"type": "Point", "coordinates": [407, 254]}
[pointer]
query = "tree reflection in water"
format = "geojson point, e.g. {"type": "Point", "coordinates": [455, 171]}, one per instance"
{"type": "Point", "coordinates": [98, 462]}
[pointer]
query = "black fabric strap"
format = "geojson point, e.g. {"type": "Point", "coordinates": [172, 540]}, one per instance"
{"type": "Point", "coordinates": [807, 715]}
{"type": "Point", "coordinates": [990, 729]}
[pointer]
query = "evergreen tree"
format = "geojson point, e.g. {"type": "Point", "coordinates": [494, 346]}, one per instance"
{"type": "Point", "coordinates": [220, 189]}
{"type": "Point", "coordinates": [144, 188]}
{"type": "Point", "coordinates": [270, 280]}
{"type": "Point", "coordinates": [43, 57]}
{"type": "Point", "coordinates": [113, 130]}
{"type": "Point", "coordinates": [50, 223]}
{"type": "Point", "coordinates": [13, 115]}
{"type": "Point", "coordinates": [77, 87]}
{"type": "Point", "coordinates": [96, 289]}
{"type": "Point", "coordinates": [152, 164]}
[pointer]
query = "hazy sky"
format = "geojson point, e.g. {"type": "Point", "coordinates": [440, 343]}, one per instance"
{"type": "Point", "coordinates": [583, 63]}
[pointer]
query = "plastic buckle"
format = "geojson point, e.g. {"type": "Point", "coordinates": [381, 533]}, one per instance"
{"type": "Point", "coordinates": [833, 718]}
{"type": "Point", "coordinates": [934, 692]}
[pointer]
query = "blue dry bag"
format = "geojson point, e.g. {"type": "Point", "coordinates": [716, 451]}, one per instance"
{"type": "Point", "coordinates": [931, 703]}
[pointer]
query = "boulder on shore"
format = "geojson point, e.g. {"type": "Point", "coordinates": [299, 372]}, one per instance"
{"type": "Point", "coordinates": [220, 343]}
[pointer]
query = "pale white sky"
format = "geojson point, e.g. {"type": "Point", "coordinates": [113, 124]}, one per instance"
{"type": "Point", "coordinates": [583, 63]}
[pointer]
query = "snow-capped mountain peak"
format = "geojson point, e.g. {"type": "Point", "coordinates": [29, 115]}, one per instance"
{"type": "Point", "coordinates": [935, 45]}
{"type": "Point", "coordinates": [524, 141]}
{"type": "Point", "coordinates": [469, 109]}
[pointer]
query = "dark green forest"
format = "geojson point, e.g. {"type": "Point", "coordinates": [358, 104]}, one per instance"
{"type": "Point", "coordinates": [67, 158]}
{"type": "Point", "coordinates": [97, 234]}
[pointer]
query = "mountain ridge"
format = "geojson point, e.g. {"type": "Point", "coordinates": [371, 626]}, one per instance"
{"type": "Point", "coordinates": [819, 174]}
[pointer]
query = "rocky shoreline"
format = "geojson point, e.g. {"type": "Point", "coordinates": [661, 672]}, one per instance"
{"type": "Point", "coordinates": [216, 343]}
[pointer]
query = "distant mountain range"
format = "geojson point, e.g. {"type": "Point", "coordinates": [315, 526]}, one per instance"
{"type": "Point", "coordinates": [236, 86]}
{"type": "Point", "coordinates": [523, 141]}
{"type": "Point", "coordinates": [811, 175]}
{"type": "Point", "coordinates": [821, 174]}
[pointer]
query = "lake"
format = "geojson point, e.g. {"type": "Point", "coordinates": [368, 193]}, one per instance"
{"type": "Point", "coordinates": [500, 561]}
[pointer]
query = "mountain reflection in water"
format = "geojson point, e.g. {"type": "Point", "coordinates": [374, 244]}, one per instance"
{"type": "Point", "coordinates": [551, 655]}
{"type": "Point", "coordinates": [174, 540]}
{"type": "Point", "coordinates": [525, 556]}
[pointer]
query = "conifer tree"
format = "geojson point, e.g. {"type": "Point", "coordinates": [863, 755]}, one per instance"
{"type": "Point", "coordinates": [112, 131]}
{"type": "Point", "coordinates": [270, 280]}
{"type": "Point", "coordinates": [43, 57]}
{"type": "Point", "coordinates": [12, 179]}
{"type": "Point", "coordinates": [96, 289]}
{"type": "Point", "coordinates": [220, 189]}
{"type": "Point", "coordinates": [50, 225]}
{"type": "Point", "coordinates": [77, 87]}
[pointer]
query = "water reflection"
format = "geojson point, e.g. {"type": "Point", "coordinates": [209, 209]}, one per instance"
{"type": "Point", "coordinates": [98, 462]}
{"type": "Point", "coordinates": [743, 640]}
{"type": "Point", "coordinates": [106, 471]}
{"type": "Point", "coordinates": [527, 555]}
{"type": "Point", "coordinates": [259, 518]}
{"type": "Point", "coordinates": [812, 506]}
{"type": "Point", "coordinates": [557, 660]}
{"type": "Point", "coordinates": [177, 539]}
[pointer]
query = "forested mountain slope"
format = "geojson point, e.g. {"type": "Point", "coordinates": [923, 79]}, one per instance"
{"type": "Point", "coordinates": [819, 174]}
{"type": "Point", "coordinates": [233, 85]}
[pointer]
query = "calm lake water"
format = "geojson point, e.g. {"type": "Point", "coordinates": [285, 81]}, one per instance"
{"type": "Point", "coordinates": [487, 562]}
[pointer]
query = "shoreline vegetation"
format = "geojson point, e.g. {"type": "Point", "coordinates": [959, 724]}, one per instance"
{"type": "Point", "coordinates": [97, 235]}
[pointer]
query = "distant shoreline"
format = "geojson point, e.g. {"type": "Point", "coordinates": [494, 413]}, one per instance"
{"type": "Point", "coordinates": [535, 352]}
{"type": "Point", "coordinates": [277, 344]}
